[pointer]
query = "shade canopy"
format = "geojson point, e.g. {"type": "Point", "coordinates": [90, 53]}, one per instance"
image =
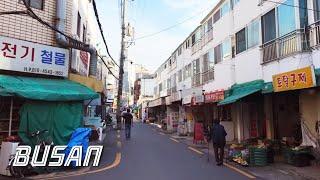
{"type": "Point", "coordinates": [44, 89]}
{"type": "Point", "coordinates": [239, 91]}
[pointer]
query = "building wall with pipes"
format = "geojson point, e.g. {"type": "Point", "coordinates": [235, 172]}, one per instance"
{"type": "Point", "coordinates": [85, 29]}
{"type": "Point", "coordinates": [26, 28]}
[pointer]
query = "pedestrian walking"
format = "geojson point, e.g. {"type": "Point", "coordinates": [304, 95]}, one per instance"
{"type": "Point", "coordinates": [127, 116]}
{"type": "Point", "coordinates": [219, 141]}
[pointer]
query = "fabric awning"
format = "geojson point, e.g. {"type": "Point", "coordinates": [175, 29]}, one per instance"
{"type": "Point", "coordinates": [90, 82]}
{"type": "Point", "coordinates": [239, 91]}
{"type": "Point", "coordinates": [45, 89]}
{"type": "Point", "coordinates": [267, 88]}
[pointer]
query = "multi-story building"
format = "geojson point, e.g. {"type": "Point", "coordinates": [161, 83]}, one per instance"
{"type": "Point", "coordinates": [38, 65]}
{"type": "Point", "coordinates": [253, 64]}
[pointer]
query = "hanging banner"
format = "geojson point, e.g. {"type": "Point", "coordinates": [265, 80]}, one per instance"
{"type": "Point", "coordinates": [297, 79]}
{"type": "Point", "coordinates": [29, 57]}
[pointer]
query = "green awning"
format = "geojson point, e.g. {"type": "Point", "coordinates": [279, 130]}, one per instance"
{"type": "Point", "coordinates": [317, 72]}
{"type": "Point", "coordinates": [44, 89]}
{"type": "Point", "coordinates": [239, 91]}
{"type": "Point", "coordinates": [267, 88]}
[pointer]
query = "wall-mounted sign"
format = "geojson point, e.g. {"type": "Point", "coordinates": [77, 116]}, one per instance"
{"type": "Point", "coordinates": [297, 79]}
{"type": "Point", "coordinates": [24, 56]}
{"type": "Point", "coordinates": [214, 96]}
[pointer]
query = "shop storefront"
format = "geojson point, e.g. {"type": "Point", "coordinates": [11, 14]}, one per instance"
{"type": "Point", "coordinates": [157, 111]}
{"type": "Point", "coordinates": [246, 105]}
{"type": "Point", "coordinates": [35, 94]}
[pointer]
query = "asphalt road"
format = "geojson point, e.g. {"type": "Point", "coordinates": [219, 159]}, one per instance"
{"type": "Point", "coordinates": [150, 155]}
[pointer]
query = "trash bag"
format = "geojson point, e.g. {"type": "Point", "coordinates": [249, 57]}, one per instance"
{"type": "Point", "coordinates": [80, 137]}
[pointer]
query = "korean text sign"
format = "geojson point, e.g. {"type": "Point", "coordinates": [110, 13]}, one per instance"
{"type": "Point", "coordinates": [297, 79]}
{"type": "Point", "coordinates": [24, 56]}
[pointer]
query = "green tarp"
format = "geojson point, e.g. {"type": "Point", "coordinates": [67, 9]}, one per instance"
{"type": "Point", "coordinates": [239, 91]}
{"type": "Point", "coordinates": [59, 118]}
{"type": "Point", "coordinates": [44, 89]}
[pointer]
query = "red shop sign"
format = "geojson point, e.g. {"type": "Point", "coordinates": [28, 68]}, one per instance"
{"type": "Point", "coordinates": [214, 96]}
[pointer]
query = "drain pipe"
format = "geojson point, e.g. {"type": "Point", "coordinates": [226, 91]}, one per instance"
{"type": "Point", "coordinates": [62, 40]}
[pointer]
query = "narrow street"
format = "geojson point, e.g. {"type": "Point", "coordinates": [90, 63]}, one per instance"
{"type": "Point", "coordinates": [152, 155]}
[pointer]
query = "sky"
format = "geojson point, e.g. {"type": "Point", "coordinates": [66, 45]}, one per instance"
{"type": "Point", "coordinates": [148, 17]}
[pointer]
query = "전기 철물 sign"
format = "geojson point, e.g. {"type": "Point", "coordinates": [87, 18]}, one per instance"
{"type": "Point", "coordinates": [24, 56]}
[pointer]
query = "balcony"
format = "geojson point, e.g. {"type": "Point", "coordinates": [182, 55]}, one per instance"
{"type": "Point", "coordinates": [196, 80]}
{"type": "Point", "coordinates": [207, 76]}
{"type": "Point", "coordinates": [197, 46]}
{"type": "Point", "coordinates": [207, 37]}
{"type": "Point", "coordinates": [314, 31]}
{"type": "Point", "coordinates": [284, 46]}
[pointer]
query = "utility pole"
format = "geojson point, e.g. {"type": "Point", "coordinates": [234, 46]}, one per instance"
{"type": "Point", "coordinates": [122, 59]}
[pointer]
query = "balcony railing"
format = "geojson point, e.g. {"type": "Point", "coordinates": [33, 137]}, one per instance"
{"type": "Point", "coordinates": [207, 76]}
{"type": "Point", "coordinates": [284, 46]}
{"type": "Point", "coordinates": [196, 80]}
{"type": "Point", "coordinates": [315, 35]}
{"type": "Point", "coordinates": [208, 36]}
{"type": "Point", "coordinates": [196, 46]}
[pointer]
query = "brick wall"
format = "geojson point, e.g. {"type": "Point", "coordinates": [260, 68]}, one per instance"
{"type": "Point", "coordinates": [26, 28]}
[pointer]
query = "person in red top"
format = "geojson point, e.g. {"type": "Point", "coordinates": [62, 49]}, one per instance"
{"type": "Point", "coordinates": [127, 116]}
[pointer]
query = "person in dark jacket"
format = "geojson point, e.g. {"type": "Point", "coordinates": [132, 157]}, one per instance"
{"type": "Point", "coordinates": [219, 141]}
{"type": "Point", "coordinates": [127, 116]}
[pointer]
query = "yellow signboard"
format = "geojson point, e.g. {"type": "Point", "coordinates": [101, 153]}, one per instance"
{"type": "Point", "coordinates": [297, 79]}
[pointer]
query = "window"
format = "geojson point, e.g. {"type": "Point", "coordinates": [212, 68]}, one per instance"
{"type": "Point", "coordinates": [180, 76]}
{"type": "Point", "coordinates": [179, 51]}
{"type": "Point", "coordinates": [160, 87]}
{"type": "Point", "coordinates": [226, 48]}
{"type": "Point", "coordinates": [196, 66]}
{"type": "Point", "coordinates": [193, 39]}
{"type": "Point", "coordinates": [268, 26]}
{"type": "Point", "coordinates": [169, 83]}
{"type": "Point", "coordinates": [303, 13]}
{"type": "Point", "coordinates": [209, 25]}
{"type": "Point", "coordinates": [217, 54]}
{"type": "Point", "coordinates": [224, 112]}
{"type": "Point", "coordinates": [84, 36]}
{"type": "Point", "coordinates": [37, 4]}
{"type": "Point", "coordinates": [216, 16]}
{"type": "Point", "coordinates": [253, 34]}
{"type": "Point", "coordinates": [187, 71]}
{"type": "Point", "coordinates": [235, 2]}
{"type": "Point", "coordinates": [79, 25]}
{"type": "Point", "coordinates": [286, 18]}
{"type": "Point", "coordinates": [225, 8]}
{"type": "Point", "coordinates": [205, 63]}
{"type": "Point", "coordinates": [316, 6]}
{"type": "Point", "coordinates": [211, 58]}
{"type": "Point", "coordinates": [241, 44]}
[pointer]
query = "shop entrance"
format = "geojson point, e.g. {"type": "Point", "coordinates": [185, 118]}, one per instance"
{"type": "Point", "coordinates": [286, 116]}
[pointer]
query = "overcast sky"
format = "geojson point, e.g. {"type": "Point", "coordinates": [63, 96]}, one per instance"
{"type": "Point", "coordinates": [150, 16]}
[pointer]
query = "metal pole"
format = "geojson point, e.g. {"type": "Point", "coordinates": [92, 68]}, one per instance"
{"type": "Point", "coordinates": [122, 59]}
{"type": "Point", "coordinates": [10, 121]}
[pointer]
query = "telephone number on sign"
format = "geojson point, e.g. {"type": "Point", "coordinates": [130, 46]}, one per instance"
{"type": "Point", "coordinates": [43, 71]}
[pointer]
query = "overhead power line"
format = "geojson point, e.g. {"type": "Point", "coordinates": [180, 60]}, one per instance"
{"type": "Point", "coordinates": [101, 30]}
{"type": "Point", "coordinates": [285, 4]}
{"type": "Point", "coordinates": [109, 69]}
{"type": "Point", "coordinates": [70, 39]}
{"type": "Point", "coordinates": [173, 26]}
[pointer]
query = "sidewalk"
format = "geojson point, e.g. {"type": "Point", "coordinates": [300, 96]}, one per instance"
{"type": "Point", "coordinates": [273, 171]}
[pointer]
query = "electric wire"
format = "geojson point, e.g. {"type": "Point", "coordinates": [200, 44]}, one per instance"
{"type": "Point", "coordinates": [33, 15]}
{"type": "Point", "coordinates": [173, 26]}
{"type": "Point", "coordinates": [109, 69]}
{"type": "Point", "coordinates": [281, 3]}
{"type": "Point", "coordinates": [101, 31]}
